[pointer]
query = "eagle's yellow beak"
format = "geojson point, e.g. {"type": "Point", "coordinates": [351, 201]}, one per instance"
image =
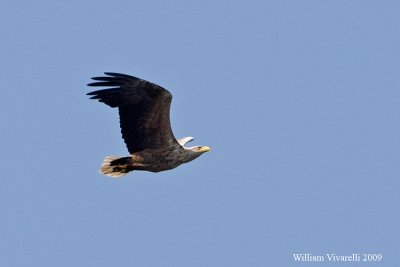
{"type": "Point", "coordinates": [204, 149]}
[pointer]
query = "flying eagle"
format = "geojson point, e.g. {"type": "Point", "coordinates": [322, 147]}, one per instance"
{"type": "Point", "coordinates": [145, 126]}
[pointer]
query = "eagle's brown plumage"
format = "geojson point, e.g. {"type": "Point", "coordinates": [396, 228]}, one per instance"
{"type": "Point", "coordinates": [145, 125]}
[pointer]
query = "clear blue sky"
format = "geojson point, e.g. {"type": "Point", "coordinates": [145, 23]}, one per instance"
{"type": "Point", "coordinates": [299, 101]}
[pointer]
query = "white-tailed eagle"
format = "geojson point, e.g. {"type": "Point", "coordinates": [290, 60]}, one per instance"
{"type": "Point", "coordinates": [145, 126]}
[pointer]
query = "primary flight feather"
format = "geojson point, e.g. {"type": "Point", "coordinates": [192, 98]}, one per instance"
{"type": "Point", "coordinates": [145, 126]}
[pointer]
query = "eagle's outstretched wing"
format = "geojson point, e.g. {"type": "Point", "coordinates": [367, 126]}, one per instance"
{"type": "Point", "coordinates": [143, 110]}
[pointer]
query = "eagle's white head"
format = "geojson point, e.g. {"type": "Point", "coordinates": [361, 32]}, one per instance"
{"type": "Point", "coordinates": [193, 151]}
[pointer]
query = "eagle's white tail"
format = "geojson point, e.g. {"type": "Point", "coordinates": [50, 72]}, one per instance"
{"type": "Point", "coordinates": [114, 169]}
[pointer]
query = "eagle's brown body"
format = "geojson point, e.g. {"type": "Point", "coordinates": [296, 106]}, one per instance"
{"type": "Point", "coordinates": [149, 160]}
{"type": "Point", "coordinates": [145, 126]}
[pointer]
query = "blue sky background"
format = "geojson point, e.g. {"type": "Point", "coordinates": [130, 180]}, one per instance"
{"type": "Point", "coordinates": [299, 101]}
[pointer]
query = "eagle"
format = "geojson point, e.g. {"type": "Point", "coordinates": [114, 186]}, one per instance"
{"type": "Point", "coordinates": [144, 109]}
